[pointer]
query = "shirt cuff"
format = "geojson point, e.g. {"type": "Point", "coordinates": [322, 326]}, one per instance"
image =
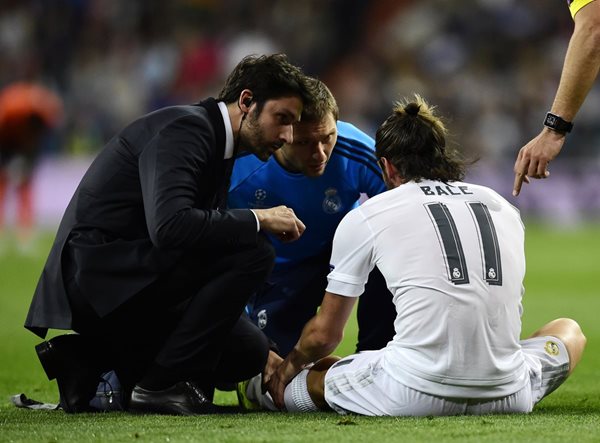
{"type": "Point", "coordinates": [257, 222]}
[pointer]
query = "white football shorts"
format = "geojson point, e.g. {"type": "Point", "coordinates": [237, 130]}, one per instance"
{"type": "Point", "coordinates": [357, 384]}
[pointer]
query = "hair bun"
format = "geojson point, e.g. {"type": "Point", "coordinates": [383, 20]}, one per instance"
{"type": "Point", "coordinates": [412, 109]}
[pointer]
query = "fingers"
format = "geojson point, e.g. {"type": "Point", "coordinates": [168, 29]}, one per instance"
{"type": "Point", "coordinates": [288, 227]}
{"type": "Point", "coordinates": [525, 168]}
{"type": "Point", "coordinates": [295, 232]}
{"type": "Point", "coordinates": [538, 169]}
{"type": "Point", "coordinates": [520, 168]}
{"type": "Point", "coordinates": [301, 227]}
{"type": "Point", "coordinates": [276, 388]}
{"type": "Point", "coordinates": [519, 178]}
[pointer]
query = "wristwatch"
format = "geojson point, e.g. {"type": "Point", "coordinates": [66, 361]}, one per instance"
{"type": "Point", "coordinates": [557, 123]}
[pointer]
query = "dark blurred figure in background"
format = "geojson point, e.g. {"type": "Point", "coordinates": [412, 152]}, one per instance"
{"type": "Point", "coordinates": [28, 112]}
{"type": "Point", "coordinates": [580, 70]}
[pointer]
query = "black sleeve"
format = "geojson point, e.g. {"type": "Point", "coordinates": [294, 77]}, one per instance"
{"type": "Point", "coordinates": [171, 168]}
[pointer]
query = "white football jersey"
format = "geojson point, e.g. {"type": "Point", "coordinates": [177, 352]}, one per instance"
{"type": "Point", "coordinates": [453, 258]}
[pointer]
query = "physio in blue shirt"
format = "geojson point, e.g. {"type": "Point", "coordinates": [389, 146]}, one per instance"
{"type": "Point", "coordinates": [321, 176]}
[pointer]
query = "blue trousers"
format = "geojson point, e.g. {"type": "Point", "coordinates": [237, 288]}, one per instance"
{"type": "Point", "coordinates": [290, 297]}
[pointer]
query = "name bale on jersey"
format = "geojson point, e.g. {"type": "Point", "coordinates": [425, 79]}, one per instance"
{"type": "Point", "coordinates": [445, 190]}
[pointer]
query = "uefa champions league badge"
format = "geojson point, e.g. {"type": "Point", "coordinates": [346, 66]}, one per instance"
{"type": "Point", "coordinates": [551, 348]}
{"type": "Point", "coordinates": [332, 203]}
{"type": "Point", "coordinates": [260, 194]}
{"type": "Point", "coordinates": [259, 202]}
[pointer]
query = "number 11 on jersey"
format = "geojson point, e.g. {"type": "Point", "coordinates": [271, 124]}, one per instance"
{"type": "Point", "coordinates": [452, 246]}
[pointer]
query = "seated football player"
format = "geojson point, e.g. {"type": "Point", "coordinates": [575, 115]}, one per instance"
{"type": "Point", "coordinates": [452, 254]}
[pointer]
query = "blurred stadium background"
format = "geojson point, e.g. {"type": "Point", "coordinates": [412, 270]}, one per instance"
{"type": "Point", "coordinates": [491, 66]}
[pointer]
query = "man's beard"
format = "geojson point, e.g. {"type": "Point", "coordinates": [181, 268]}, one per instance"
{"type": "Point", "coordinates": [253, 139]}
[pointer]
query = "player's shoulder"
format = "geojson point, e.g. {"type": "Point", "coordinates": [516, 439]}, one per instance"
{"type": "Point", "coordinates": [246, 165]}
{"type": "Point", "coordinates": [481, 190]}
{"type": "Point", "coordinates": [490, 197]}
{"type": "Point", "coordinates": [354, 148]}
{"type": "Point", "coordinates": [351, 136]}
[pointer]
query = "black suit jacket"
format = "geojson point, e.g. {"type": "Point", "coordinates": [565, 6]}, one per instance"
{"type": "Point", "coordinates": [150, 196]}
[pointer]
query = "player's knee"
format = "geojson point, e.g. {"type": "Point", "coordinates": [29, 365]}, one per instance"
{"type": "Point", "coordinates": [315, 380]}
{"type": "Point", "coordinates": [576, 333]}
{"type": "Point", "coordinates": [325, 363]}
{"type": "Point", "coordinates": [569, 331]}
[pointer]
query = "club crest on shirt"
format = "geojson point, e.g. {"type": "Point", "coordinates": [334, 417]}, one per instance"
{"type": "Point", "coordinates": [332, 203]}
{"type": "Point", "coordinates": [261, 318]}
{"type": "Point", "coordinates": [551, 348]}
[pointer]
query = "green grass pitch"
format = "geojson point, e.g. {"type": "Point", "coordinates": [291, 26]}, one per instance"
{"type": "Point", "coordinates": [563, 280]}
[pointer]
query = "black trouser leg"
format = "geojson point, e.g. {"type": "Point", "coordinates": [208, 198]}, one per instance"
{"type": "Point", "coordinates": [245, 353]}
{"type": "Point", "coordinates": [196, 343]}
{"type": "Point", "coordinates": [181, 322]}
{"type": "Point", "coordinates": [375, 314]}
{"type": "Point", "coordinates": [289, 299]}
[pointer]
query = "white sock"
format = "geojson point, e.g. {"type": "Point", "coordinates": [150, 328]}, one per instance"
{"type": "Point", "coordinates": [296, 396]}
{"type": "Point", "coordinates": [254, 393]}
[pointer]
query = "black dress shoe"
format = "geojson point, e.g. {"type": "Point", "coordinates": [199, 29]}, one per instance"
{"type": "Point", "coordinates": [183, 398]}
{"type": "Point", "coordinates": [68, 359]}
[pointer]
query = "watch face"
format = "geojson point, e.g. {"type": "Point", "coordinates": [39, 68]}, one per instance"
{"type": "Point", "coordinates": [551, 120]}
{"type": "Point", "coordinates": [556, 123]}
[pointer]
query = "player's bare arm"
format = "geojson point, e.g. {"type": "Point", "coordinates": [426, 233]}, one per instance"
{"type": "Point", "coordinates": [580, 70]}
{"type": "Point", "coordinates": [319, 338]}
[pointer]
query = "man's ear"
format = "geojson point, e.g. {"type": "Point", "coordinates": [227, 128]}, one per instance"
{"type": "Point", "coordinates": [245, 101]}
{"type": "Point", "coordinates": [390, 171]}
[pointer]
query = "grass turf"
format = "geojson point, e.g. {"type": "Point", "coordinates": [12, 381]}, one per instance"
{"type": "Point", "coordinates": [563, 277]}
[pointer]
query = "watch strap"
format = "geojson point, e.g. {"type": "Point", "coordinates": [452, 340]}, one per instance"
{"type": "Point", "coordinates": [557, 123]}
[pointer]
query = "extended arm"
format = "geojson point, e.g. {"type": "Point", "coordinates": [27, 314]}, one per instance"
{"type": "Point", "coordinates": [175, 173]}
{"type": "Point", "coordinates": [580, 70]}
{"type": "Point", "coordinates": [319, 338]}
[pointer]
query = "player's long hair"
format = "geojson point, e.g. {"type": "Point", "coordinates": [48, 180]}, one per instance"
{"type": "Point", "coordinates": [268, 77]}
{"type": "Point", "coordinates": [413, 139]}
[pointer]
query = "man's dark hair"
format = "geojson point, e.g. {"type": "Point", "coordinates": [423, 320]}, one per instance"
{"type": "Point", "coordinates": [267, 76]}
{"type": "Point", "coordinates": [413, 139]}
{"type": "Point", "coordinates": [321, 102]}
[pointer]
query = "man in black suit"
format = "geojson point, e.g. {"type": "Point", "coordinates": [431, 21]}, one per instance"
{"type": "Point", "coordinates": [150, 269]}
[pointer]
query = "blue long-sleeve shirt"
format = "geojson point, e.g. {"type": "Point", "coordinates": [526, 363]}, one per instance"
{"type": "Point", "coordinates": [320, 202]}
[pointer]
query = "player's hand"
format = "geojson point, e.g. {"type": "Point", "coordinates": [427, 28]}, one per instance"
{"type": "Point", "coordinates": [533, 158]}
{"type": "Point", "coordinates": [273, 362]}
{"type": "Point", "coordinates": [280, 221]}
{"type": "Point", "coordinates": [279, 380]}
